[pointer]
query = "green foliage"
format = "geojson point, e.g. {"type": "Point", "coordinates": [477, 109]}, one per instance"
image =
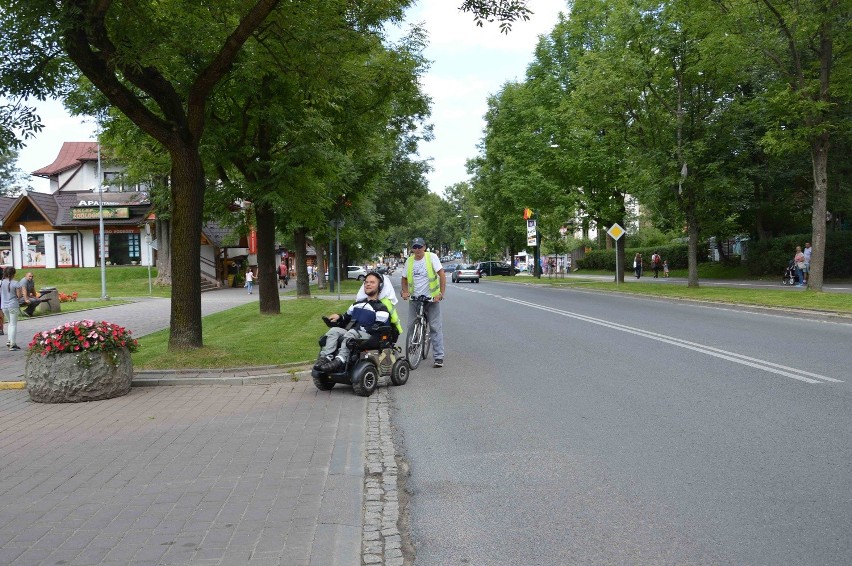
{"type": "Point", "coordinates": [676, 254]}
{"type": "Point", "coordinates": [13, 181]}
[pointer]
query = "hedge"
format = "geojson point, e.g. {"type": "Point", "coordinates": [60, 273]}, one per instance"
{"type": "Point", "coordinates": [771, 257]}
{"type": "Point", "coordinates": [768, 257]}
{"type": "Point", "coordinates": [675, 254]}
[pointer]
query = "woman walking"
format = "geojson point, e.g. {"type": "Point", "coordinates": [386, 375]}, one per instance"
{"type": "Point", "coordinates": [799, 263]}
{"type": "Point", "coordinates": [637, 265]}
{"type": "Point", "coordinates": [10, 294]}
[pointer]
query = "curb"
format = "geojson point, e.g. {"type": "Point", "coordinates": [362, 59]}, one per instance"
{"type": "Point", "coordinates": [252, 375]}
{"type": "Point", "coordinates": [256, 375]}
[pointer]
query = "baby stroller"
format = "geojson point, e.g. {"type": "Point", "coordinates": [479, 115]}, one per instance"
{"type": "Point", "coordinates": [791, 277]}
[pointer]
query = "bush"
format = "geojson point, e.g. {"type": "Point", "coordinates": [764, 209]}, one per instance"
{"type": "Point", "coordinates": [770, 257]}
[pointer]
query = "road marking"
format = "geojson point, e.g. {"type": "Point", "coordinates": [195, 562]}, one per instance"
{"type": "Point", "coordinates": [757, 363]}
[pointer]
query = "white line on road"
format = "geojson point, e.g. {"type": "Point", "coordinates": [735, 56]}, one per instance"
{"type": "Point", "coordinates": [757, 363]}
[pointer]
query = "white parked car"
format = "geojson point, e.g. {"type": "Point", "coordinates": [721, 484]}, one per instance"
{"type": "Point", "coordinates": [356, 272]}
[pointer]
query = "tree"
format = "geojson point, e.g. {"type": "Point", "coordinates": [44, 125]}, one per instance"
{"type": "Point", "coordinates": [158, 63]}
{"type": "Point", "coordinates": [808, 46]}
{"type": "Point", "coordinates": [13, 181]}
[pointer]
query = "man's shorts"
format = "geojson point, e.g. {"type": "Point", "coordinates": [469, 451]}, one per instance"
{"type": "Point", "coordinates": [806, 268]}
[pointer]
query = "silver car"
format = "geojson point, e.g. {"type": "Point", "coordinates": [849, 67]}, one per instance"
{"type": "Point", "coordinates": [466, 273]}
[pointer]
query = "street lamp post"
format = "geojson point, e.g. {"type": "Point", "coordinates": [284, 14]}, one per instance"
{"type": "Point", "coordinates": [104, 295]}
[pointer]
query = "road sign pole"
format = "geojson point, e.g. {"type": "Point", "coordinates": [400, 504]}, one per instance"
{"type": "Point", "coordinates": [616, 232]}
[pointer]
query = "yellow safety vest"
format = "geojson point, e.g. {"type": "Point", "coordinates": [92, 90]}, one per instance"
{"type": "Point", "coordinates": [394, 317]}
{"type": "Point", "coordinates": [434, 284]}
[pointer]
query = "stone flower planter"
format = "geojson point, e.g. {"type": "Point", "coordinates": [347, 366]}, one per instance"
{"type": "Point", "coordinates": [81, 376]}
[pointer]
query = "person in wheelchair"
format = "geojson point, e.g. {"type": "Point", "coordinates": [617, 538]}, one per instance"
{"type": "Point", "coordinates": [366, 317]}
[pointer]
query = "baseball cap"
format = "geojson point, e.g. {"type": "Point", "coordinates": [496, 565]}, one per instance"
{"type": "Point", "coordinates": [418, 242]}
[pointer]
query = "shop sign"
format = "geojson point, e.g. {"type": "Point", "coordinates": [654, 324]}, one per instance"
{"type": "Point", "coordinates": [110, 213]}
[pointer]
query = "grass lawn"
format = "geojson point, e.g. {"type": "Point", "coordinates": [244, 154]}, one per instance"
{"type": "Point", "coordinates": [121, 281]}
{"type": "Point", "coordinates": [242, 337]}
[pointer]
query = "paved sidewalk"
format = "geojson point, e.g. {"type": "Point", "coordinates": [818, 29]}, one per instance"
{"type": "Point", "coordinates": [229, 475]}
{"type": "Point", "coordinates": [255, 467]}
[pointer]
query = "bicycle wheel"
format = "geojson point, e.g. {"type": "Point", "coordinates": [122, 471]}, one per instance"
{"type": "Point", "coordinates": [427, 340]}
{"type": "Point", "coordinates": [414, 344]}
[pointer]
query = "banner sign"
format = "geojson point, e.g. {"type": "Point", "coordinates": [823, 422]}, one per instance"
{"type": "Point", "coordinates": [94, 213]}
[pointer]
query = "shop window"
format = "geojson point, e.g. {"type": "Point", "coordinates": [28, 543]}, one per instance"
{"type": "Point", "coordinates": [5, 250]}
{"type": "Point", "coordinates": [34, 254]}
{"type": "Point", "coordinates": [64, 250]}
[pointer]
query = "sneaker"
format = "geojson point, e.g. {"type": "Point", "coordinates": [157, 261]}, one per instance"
{"type": "Point", "coordinates": [334, 366]}
{"type": "Point", "coordinates": [438, 364]}
{"type": "Point", "coordinates": [322, 361]}
{"type": "Point", "coordinates": [13, 347]}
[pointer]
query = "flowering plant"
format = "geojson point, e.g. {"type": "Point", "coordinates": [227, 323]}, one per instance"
{"type": "Point", "coordinates": [83, 335]}
{"type": "Point", "coordinates": [63, 298]}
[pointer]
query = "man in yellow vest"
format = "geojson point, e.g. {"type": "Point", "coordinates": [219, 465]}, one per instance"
{"type": "Point", "coordinates": [425, 276]}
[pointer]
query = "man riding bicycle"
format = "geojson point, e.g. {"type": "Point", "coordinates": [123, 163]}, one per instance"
{"type": "Point", "coordinates": [424, 272]}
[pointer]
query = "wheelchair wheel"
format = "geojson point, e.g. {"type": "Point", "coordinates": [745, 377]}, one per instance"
{"type": "Point", "coordinates": [365, 377]}
{"type": "Point", "coordinates": [321, 381]}
{"type": "Point", "coordinates": [399, 372]}
{"type": "Point", "coordinates": [414, 344]}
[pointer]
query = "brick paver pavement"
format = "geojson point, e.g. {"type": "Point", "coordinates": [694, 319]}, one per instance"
{"type": "Point", "coordinates": [230, 475]}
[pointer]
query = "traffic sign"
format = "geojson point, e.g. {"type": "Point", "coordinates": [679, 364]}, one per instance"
{"type": "Point", "coordinates": [615, 232]}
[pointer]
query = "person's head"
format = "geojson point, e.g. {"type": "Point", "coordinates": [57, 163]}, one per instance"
{"type": "Point", "coordinates": [418, 246]}
{"type": "Point", "coordinates": [373, 284]}
{"type": "Point", "coordinates": [29, 276]}
{"type": "Point", "coordinates": [798, 248]}
{"type": "Point", "coordinates": [808, 244]}
{"type": "Point", "coordinates": [9, 272]}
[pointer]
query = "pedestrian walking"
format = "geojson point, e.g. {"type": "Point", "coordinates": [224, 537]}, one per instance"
{"type": "Point", "coordinates": [10, 297]}
{"type": "Point", "coordinates": [249, 280]}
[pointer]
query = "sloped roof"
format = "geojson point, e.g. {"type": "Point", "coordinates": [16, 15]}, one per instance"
{"type": "Point", "coordinates": [6, 204]}
{"type": "Point", "coordinates": [217, 234]}
{"type": "Point", "coordinates": [72, 155]}
{"type": "Point", "coordinates": [45, 204]}
{"type": "Point", "coordinates": [56, 208]}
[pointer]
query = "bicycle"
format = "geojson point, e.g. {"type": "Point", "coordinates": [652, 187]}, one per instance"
{"type": "Point", "coordinates": [418, 342]}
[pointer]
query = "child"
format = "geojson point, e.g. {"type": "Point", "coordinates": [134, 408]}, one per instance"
{"type": "Point", "coordinates": [666, 268]}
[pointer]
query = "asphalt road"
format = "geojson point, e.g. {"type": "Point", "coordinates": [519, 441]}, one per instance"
{"type": "Point", "coordinates": [573, 427]}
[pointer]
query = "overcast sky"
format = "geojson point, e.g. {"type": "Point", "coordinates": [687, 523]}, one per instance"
{"type": "Point", "coordinates": [468, 64]}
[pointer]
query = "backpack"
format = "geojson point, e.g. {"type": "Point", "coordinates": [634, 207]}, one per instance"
{"type": "Point", "coordinates": [656, 259]}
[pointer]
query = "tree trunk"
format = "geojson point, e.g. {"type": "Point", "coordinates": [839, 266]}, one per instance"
{"type": "Point", "coordinates": [692, 246]}
{"type": "Point", "coordinates": [163, 230]}
{"type": "Point", "coordinates": [303, 284]}
{"type": "Point", "coordinates": [267, 269]}
{"type": "Point", "coordinates": [819, 156]}
{"type": "Point", "coordinates": [187, 193]}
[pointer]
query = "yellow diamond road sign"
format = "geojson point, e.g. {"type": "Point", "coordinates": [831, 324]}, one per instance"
{"type": "Point", "coordinates": [616, 231]}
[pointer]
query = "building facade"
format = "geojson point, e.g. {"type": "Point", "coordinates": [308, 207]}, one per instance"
{"type": "Point", "coordinates": [61, 228]}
